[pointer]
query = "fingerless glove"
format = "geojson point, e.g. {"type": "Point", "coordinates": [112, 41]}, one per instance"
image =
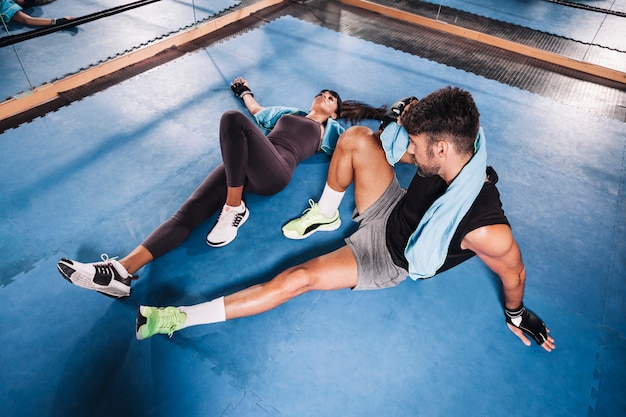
{"type": "Point", "coordinates": [60, 21]}
{"type": "Point", "coordinates": [240, 90]}
{"type": "Point", "coordinates": [393, 112]}
{"type": "Point", "coordinates": [528, 322]}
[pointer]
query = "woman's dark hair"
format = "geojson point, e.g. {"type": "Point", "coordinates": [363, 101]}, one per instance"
{"type": "Point", "coordinates": [355, 111]}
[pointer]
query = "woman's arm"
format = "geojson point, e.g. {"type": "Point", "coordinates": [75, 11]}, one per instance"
{"type": "Point", "coordinates": [25, 19]}
{"type": "Point", "coordinates": [246, 95]}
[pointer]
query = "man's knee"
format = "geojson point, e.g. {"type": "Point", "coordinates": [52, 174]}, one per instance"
{"type": "Point", "coordinates": [355, 133]}
{"type": "Point", "coordinates": [357, 139]}
{"type": "Point", "coordinates": [299, 280]}
{"type": "Point", "coordinates": [363, 146]}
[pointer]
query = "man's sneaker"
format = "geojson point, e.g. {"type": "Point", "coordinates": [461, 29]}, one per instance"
{"type": "Point", "coordinates": [161, 320]}
{"type": "Point", "coordinates": [108, 277]}
{"type": "Point", "coordinates": [225, 230]}
{"type": "Point", "coordinates": [312, 221]}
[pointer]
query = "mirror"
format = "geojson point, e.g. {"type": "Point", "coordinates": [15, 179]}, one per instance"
{"type": "Point", "coordinates": [31, 56]}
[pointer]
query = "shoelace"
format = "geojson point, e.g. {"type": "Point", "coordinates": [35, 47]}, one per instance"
{"type": "Point", "coordinates": [308, 210]}
{"type": "Point", "coordinates": [104, 267]}
{"type": "Point", "coordinates": [105, 257]}
{"type": "Point", "coordinates": [168, 321]}
{"type": "Point", "coordinates": [237, 217]}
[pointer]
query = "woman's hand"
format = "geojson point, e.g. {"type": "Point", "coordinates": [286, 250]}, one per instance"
{"type": "Point", "coordinates": [240, 80]}
{"type": "Point", "coordinates": [240, 88]}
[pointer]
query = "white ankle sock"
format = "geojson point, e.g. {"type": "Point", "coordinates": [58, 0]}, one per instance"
{"type": "Point", "coordinates": [330, 201]}
{"type": "Point", "coordinates": [206, 313]}
{"type": "Point", "coordinates": [240, 208]}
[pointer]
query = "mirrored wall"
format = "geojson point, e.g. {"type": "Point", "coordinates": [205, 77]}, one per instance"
{"type": "Point", "coordinates": [31, 56]}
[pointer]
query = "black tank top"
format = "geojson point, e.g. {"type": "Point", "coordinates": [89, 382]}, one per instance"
{"type": "Point", "coordinates": [422, 192]}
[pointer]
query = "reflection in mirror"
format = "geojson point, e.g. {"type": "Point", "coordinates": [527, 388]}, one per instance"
{"type": "Point", "coordinates": [10, 55]}
{"type": "Point", "coordinates": [102, 30]}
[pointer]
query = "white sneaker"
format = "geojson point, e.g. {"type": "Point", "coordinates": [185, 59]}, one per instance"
{"type": "Point", "coordinates": [108, 277]}
{"type": "Point", "coordinates": [225, 230]}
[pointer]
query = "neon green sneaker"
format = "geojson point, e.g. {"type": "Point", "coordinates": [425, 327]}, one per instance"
{"type": "Point", "coordinates": [163, 320]}
{"type": "Point", "coordinates": [310, 222]}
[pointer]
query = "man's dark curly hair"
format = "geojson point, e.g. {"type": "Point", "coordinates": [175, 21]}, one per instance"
{"type": "Point", "coordinates": [447, 114]}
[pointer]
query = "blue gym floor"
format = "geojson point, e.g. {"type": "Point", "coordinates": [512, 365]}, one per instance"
{"type": "Point", "coordinates": [100, 174]}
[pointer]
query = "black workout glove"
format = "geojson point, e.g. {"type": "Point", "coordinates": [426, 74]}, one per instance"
{"type": "Point", "coordinates": [396, 109]}
{"type": "Point", "coordinates": [524, 319]}
{"type": "Point", "coordinates": [240, 90]}
{"type": "Point", "coordinates": [57, 22]}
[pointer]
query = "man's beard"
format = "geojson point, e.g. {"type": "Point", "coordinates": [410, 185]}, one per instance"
{"type": "Point", "coordinates": [428, 171]}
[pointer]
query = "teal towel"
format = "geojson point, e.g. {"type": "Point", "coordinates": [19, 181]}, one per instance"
{"type": "Point", "coordinates": [395, 142]}
{"type": "Point", "coordinates": [427, 247]}
{"type": "Point", "coordinates": [8, 8]}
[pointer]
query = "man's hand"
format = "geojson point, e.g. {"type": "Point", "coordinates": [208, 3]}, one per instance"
{"type": "Point", "coordinates": [522, 322]}
{"type": "Point", "coordinates": [395, 111]}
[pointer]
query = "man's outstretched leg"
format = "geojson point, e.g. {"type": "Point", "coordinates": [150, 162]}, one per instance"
{"type": "Point", "coordinates": [359, 159]}
{"type": "Point", "coordinates": [335, 270]}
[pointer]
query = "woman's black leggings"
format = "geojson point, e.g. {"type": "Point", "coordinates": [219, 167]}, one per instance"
{"type": "Point", "coordinates": [250, 159]}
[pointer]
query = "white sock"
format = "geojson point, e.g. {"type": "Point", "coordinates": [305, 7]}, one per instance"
{"type": "Point", "coordinates": [239, 209]}
{"type": "Point", "coordinates": [206, 313]}
{"type": "Point", "coordinates": [330, 201]}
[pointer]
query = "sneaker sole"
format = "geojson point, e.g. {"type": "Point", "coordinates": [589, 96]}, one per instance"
{"type": "Point", "coordinates": [329, 227]}
{"type": "Point", "coordinates": [220, 244]}
{"type": "Point", "coordinates": [140, 321]}
{"type": "Point", "coordinates": [67, 271]}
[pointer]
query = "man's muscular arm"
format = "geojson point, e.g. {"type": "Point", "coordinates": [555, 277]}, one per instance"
{"type": "Point", "coordinates": [497, 248]}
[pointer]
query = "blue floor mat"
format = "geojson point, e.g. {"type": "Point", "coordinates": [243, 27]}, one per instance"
{"type": "Point", "coordinates": [99, 175]}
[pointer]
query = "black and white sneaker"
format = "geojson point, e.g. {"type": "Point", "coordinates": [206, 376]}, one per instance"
{"type": "Point", "coordinates": [108, 277]}
{"type": "Point", "coordinates": [225, 230]}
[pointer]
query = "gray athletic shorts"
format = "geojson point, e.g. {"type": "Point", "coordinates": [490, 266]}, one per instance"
{"type": "Point", "coordinates": [369, 243]}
